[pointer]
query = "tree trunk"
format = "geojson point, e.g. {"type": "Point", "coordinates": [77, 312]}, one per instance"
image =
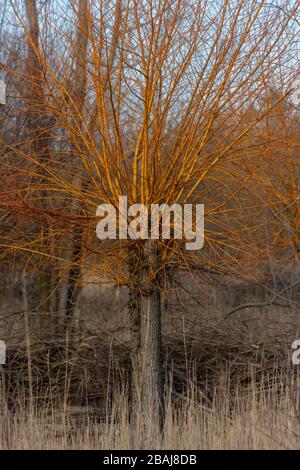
{"type": "Point", "coordinates": [77, 92]}
{"type": "Point", "coordinates": [39, 125]}
{"type": "Point", "coordinates": [145, 312]}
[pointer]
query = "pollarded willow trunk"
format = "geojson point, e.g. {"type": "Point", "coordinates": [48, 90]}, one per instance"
{"type": "Point", "coordinates": [145, 310]}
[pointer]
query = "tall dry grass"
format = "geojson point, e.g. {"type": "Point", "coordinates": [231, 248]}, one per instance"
{"type": "Point", "coordinates": [262, 415]}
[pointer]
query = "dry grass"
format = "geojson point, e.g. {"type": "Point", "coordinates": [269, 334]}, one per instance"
{"type": "Point", "coordinates": [226, 392]}
{"type": "Point", "coordinates": [263, 416]}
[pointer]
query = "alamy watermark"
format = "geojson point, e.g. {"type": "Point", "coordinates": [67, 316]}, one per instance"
{"type": "Point", "coordinates": [2, 352]}
{"type": "Point", "coordinates": [161, 221]}
{"type": "Point", "coordinates": [296, 353]}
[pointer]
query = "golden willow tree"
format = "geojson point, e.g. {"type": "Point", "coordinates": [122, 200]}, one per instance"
{"type": "Point", "coordinates": [154, 100]}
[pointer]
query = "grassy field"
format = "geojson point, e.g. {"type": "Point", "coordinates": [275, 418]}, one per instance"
{"type": "Point", "coordinates": [261, 416]}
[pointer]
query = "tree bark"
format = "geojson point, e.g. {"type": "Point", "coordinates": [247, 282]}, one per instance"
{"type": "Point", "coordinates": [145, 312]}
